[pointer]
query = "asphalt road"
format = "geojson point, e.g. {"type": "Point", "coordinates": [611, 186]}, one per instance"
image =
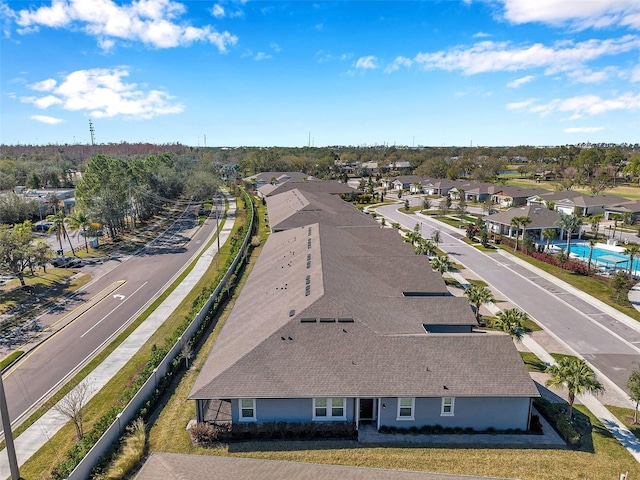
{"type": "Point", "coordinates": [122, 288]}
{"type": "Point", "coordinates": [608, 344]}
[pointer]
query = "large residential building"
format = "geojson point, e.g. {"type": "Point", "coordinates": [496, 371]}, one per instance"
{"type": "Point", "coordinates": [340, 321]}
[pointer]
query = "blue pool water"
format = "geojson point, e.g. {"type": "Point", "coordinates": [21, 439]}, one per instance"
{"type": "Point", "coordinates": [582, 250]}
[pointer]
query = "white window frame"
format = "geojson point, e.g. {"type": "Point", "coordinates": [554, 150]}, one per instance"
{"type": "Point", "coordinates": [240, 408]}
{"type": "Point", "coordinates": [451, 404]}
{"type": "Point", "coordinates": [412, 406]}
{"type": "Point", "coordinates": [329, 416]}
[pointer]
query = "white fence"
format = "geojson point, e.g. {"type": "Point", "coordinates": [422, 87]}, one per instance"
{"type": "Point", "coordinates": [111, 435]}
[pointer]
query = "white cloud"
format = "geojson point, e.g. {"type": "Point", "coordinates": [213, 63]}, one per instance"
{"type": "Point", "coordinates": [589, 76]}
{"type": "Point", "coordinates": [577, 15]}
{"type": "Point", "coordinates": [583, 129]}
{"type": "Point", "coordinates": [480, 35]}
{"type": "Point", "coordinates": [520, 81]}
{"type": "Point", "coordinates": [580, 106]}
{"type": "Point", "coordinates": [152, 22]}
{"type": "Point", "coordinates": [324, 57]}
{"type": "Point", "coordinates": [397, 63]}
{"type": "Point", "coordinates": [367, 63]}
{"type": "Point", "coordinates": [102, 93]}
{"type": "Point", "coordinates": [491, 56]}
{"type": "Point", "coordinates": [635, 74]}
{"type": "Point", "coordinates": [43, 86]}
{"type": "Point", "coordinates": [262, 56]}
{"type": "Point", "coordinates": [46, 119]}
{"type": "Point", "coordinates": [275, 47]}
{"type": "Point", "coordinates": [218, 11]}
{"type": "Point", "coordinates": [521, 105]}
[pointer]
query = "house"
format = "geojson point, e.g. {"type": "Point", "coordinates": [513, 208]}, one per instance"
{"type": "Point", "coordinates": [541, 219]}
{"type": "Point", "coordinates": [345, 323]}
{"type": "Point", "coordinates": [619, 210]}
{"type": "Point", "coordinates": [509, 196]}
{"type": "Point", "coordinates": [442, 186]}
{"type": "Point", "coordinates": [405, 182]}
{"type": "Point", "coordinates": [332, 187]}
{"type": "Point", "coordinates": [570, 202]}
{"type": "Point", "coordinates": [276, 178]}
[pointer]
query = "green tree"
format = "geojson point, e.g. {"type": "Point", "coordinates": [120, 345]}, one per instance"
{"type": "Point", "coordinates": [57, 222]}
{"type": "Point", "coordinates": [513, 322]}
{"type": "Point", "coordinates": [632, 251]}
{"type": "Point", "coordinates": [425, 247]}
{"type": "Point", "coordinates": [426, 203]}
{"type": "Point", "coordinates": [79, 221]}
{"type": "Point", "coordinates": [441, 263]}
{"type": "Point", "coordinates": [436, 236]}
{"type": "Point", "coordinates": [592, 244]}
{"type": "Point", "coordinates": [569, 223]}
{"type": "Point", "coordinates": [478, 295]}
{"type": "Point", "coordinates": [517, 223]}
{"type": "Point", "coordinates": [16, 249]}
{"type": "Point", "coordinates": [575, 375]}
{"type": "Point", "coordinates": [548, 234]}
{"type": "Point", "coordinates": [633, 385]}
{"type": "Point", "coordinates": [595, 223]}
{"type": "Point", "coordinates": [620, 283]}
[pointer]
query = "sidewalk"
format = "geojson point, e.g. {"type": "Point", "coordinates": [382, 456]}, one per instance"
{"type": "Point", "coordinates": [611, 423]}
{"type": "Point", "coordinates": [38, 434]}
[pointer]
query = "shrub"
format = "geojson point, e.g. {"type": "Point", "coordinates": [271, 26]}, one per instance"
{"type": "Point", "coordinates": [567, 431]}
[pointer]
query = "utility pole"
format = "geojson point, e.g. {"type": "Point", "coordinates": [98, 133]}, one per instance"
{"type": "Point", "coordinates": [92, 132]}
{"type": "Point", "coordinates": [8, 436]}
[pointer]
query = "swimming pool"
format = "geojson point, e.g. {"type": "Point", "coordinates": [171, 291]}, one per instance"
{"type": "Point", "coordinates": [582, 250]}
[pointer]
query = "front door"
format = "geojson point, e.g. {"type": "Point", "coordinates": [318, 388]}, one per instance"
{"type": "Point", "coordinates": [367, 411]}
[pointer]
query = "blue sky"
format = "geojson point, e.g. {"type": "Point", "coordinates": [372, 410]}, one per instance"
{"type": "Point", "coordinates": [290, 73]}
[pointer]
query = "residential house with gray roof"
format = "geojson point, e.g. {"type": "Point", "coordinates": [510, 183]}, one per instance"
{"type": "Point", "coordinates": [569, 202]}
{"type": "Point", "coordinates": [342, 321]}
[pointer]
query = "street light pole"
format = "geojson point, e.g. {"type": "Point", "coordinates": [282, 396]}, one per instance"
{"type": "Point", "coordinates": [217, 222]}
{"type": "Point", "coordinates": [8, 436]}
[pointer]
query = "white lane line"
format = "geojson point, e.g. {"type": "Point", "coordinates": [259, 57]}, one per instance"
{"type": "Point", "coordinates": [117, 307]}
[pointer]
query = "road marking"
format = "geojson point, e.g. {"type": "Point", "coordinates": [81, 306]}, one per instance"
{"type": "Point", "coordinates": [118, 296]}
{"type": "Point", "coordinates": [113, 310]}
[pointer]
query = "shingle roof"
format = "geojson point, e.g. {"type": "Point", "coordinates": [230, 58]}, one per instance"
{"type": "Point", "coordinates": [581, 199]}
{"type": "Point", "coordinates": [540, 217]}
{"type": "Point", "coordinates": [333, 187]}
{"type": "Point", "coordinates": [201, 467]}
{"type": "Point", "coordinates": [297, 208]}
{"type": "Point", "coordinates": [361, 273]}
{"type": "Point", "coordinates": [311, 359]}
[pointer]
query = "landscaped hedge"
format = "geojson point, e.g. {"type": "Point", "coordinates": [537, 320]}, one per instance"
{"type": "Point", "coordinates": [76, 453]}
{"type": "Point", "coordinates": [555, 414]}
{"type": "Point", "coordinates": [211, 434]}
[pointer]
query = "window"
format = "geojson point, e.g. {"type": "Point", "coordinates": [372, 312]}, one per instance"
{"type": "Point", "coordinates": [447, 406]}
{"type": "Point", "coordinates": [406, 407]}
{"type": "Point", "coordinates": [247, 409]}
{"type": "Point", "coordinates": [329, 409]}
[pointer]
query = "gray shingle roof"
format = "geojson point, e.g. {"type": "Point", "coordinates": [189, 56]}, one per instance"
{"type": "Point", "coordinates": [541, 217]}
{"type": "Point", "coordinates": [360, 272]}
{"type": "Point", "coordinates": [201, 467]}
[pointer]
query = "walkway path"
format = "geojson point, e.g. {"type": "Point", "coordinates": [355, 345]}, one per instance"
{"type": "Point", "coordinates": [38, 434]}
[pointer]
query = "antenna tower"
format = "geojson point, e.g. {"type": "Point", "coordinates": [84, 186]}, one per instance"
{"type": "Point", "coordinates": [92, 132]}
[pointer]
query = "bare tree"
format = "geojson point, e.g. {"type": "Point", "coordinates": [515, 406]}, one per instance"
{"type": "Point", "coordinates": [72, 406]}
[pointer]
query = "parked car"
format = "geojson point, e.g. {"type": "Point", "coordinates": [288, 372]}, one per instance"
{"type": "Point", "coordinates": [66, 262]}
{"type": "Point", "coordinates": [41, 227]}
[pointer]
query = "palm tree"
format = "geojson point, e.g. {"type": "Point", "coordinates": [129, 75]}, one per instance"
{"type": "Point", "coordinates": [632, 251]}
{"type": "Point", "coordinates": [548, 234]}
{"type": "Point", "coordinates": [57, 225]}
{"type": "Point", "coordinates": [569, 223]}
{"type": "Point", "coordinates": [512, 321]}
{"type": "Point", "coordinates": [575, 375]}
{"type": "Point", "coordinates": [592, 243]}
{"type": "Point", "coordinates": [477, 296]}
{"type": "Point", "coordinates": [441, 263]}
{"type": "Point", "coordinates": [425, 247]}
{"type": "Point", "coordinates": [79, 221]}
{"type": "Point", "coordinates": [595, 223]}
{"type": "Point", "coordinates": [518, 222]}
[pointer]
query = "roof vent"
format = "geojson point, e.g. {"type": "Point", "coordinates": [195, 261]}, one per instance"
{"type": "Point", "coordinates": [292, 313]}
{"type": "Point", "coordinates": [327, 320]}
{"type": "Point", "coordinates": [307, 320]}
{"type": "Point", "coordinates": [345, 320]}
